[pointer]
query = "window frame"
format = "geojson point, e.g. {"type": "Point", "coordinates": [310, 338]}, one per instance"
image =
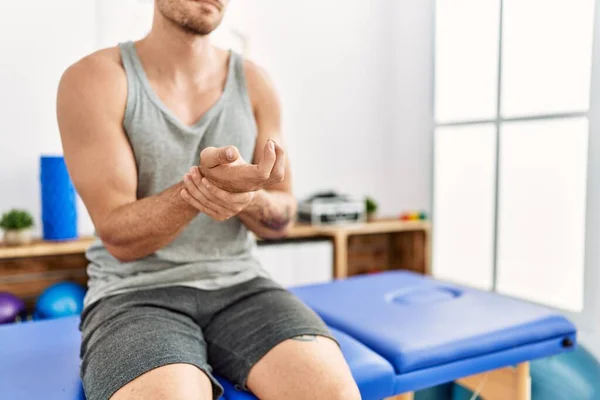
{"type": "Point", "coordinates": [589, 299]}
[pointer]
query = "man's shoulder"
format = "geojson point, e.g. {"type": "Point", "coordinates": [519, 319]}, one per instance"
{"type": "Point", "coordinates": [99, 77]}
{"type": "Point", "coordinates": [255, 73]}
{"type": "Point", "coordinates": [260, 86]}
{"type": "Point", "coordinates": [103, 66]}
{"type": "Point", "coordinates": [95, 83]}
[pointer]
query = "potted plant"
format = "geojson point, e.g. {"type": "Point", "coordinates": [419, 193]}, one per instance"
{"type": "Point", "coordinates": [17, 227]}
{"type": "Point", "coordinates": [371, 206]}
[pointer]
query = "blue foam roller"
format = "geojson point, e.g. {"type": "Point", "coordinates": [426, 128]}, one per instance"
{"type": "Point", "coordinates": [59, 206]}
{"type": "Point", "coordinates": [60, 300]}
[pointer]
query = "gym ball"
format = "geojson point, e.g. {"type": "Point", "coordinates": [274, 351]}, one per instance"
{"type": "Point", "coordinates": [572, 375]}
{"type": "Point", "coordinates": [11, 308]}
{"type": "Point", "coordinates": [60, 300]}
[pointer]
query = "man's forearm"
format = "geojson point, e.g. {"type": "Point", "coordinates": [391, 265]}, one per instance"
{"type": "Point", "coordinates": [270, 214]}
{"type": "Point", "coordinates": [138, 229]}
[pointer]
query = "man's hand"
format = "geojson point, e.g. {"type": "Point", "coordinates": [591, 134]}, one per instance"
{"type": "Point", "coordinates": [213, 201]}
{"type": "Point", "coordinates": [225, 168]}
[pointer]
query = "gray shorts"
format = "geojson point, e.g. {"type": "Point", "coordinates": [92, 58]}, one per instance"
{"type": "Point", "coordinates": [226, 331]}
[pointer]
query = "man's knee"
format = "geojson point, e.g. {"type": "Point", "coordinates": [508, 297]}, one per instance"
{"type": "Point", "coordinates": [172, 382]}
{"type": "Point", "coordinates": [340, 389]}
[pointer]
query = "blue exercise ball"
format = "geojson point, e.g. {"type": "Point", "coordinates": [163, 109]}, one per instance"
{"type": "Point", "coordinates": [440, 392]}
{"type": "Point", "coordinates": [568, 376]}
{"type": "Point", "coordinates": [60, 300]}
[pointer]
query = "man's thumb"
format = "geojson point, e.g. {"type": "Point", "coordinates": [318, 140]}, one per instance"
{"type": "Point", "coordinates": [212, 156]}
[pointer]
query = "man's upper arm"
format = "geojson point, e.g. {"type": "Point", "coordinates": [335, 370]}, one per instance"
{"type": "Point", "coordinates": [267, 112]}
{"type": "Point", "coordinates": [90, 107]}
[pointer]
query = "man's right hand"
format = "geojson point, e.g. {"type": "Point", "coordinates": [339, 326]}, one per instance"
{"type": "Point", "coordinates": [225, 168]}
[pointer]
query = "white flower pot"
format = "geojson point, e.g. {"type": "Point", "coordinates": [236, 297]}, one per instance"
{"type": "Point", "coordinates": [371, 216]}
{"type": "Point", "coordinates": [17, 237]}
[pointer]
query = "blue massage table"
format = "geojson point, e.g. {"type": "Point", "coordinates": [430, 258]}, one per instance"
{"type": "Point", "coordinates": [432, 332]}
{"type": "Point", "coordinates": [400, 332]}
{"type": "Point", "coordinates": [40, 360]}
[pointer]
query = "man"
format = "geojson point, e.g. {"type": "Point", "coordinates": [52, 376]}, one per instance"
{"type": "Point", "coordinates": [174, 147]}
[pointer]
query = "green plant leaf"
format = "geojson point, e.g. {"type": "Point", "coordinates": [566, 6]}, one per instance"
{"type": "Point", "coordinates": [16, 219]}
{"type": "Point", "coordinates": [370, 204]}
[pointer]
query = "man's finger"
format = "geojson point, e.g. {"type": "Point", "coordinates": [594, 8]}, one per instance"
{"type": "Point", "coordinates": [191, 187]}
{"type": "Point", "coordinates": [278, 172]}
{"type": "Point", "coordinates": [212, 194]}
{"type": "Point", "coordinates": [210, 157]}
{"type": "Point", "coordinates": [193, 202]}
{"type": "Point", "coordinates": [208, 207]}
{"type": "Point", "coordinates": [208, 200]}
{"type": "Point", "coordinates": [266, 164]}
{"type": "Point", "coordinates": [196, 176]}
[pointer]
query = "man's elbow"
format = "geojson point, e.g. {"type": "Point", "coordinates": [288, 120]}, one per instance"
{"type": "Point", "coordinates": [119, 252]}
{"type": "Point", "coordinates": [115, 246]}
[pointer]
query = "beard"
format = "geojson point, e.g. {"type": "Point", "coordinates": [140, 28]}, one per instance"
{"type": "Point", "coordinates": [193, 17]}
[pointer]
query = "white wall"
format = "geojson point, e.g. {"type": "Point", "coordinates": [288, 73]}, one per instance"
{"type": "Point", "coordinates": [353, 79]}
{"type": "Point", "coordinates": [325, 60]}
{"type": "Point", "coordinates": [409, 143]}
{"type": "Point", "coordinates": [39, 39]}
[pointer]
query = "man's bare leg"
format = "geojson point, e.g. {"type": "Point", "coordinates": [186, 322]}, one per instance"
{"type": "Point", "coordinates": [170, 382]}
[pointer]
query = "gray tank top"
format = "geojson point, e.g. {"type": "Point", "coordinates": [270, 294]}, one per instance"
{"type": "Point", "coordinates": [207, 254]}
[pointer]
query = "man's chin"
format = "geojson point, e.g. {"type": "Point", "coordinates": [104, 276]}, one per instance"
{"type": "Point", "coordinates": [203, 24]}
{"type": "Point", "coordinates": [198, 29]}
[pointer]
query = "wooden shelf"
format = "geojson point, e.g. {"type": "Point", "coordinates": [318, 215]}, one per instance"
{"type": "Point", "coordinates": [40, 248]}
{"type": "Point", "coordinates": [380, 226]}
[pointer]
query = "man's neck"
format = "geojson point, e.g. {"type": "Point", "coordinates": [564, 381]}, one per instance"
{"type": "Point", "coordinates": [174, 52]}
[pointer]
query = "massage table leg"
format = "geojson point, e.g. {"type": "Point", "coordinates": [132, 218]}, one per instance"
{"type": "Point", "coordinates": [340, 241]}
{"type": "Point", "coordinates": [501, 384]}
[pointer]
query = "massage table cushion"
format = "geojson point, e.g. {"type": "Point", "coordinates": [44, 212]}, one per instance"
{"type": "Point", "coordinates": [434, 332]}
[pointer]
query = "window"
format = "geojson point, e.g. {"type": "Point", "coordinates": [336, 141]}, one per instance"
{"type": "Point", "coordinates": [466, 64]}
{"type": "Point", "coordinates": [511, 136]}
{"type": "Point", "coordinates": [546, 57]}
{"type": "Point", "coordinates": [465, 170]}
